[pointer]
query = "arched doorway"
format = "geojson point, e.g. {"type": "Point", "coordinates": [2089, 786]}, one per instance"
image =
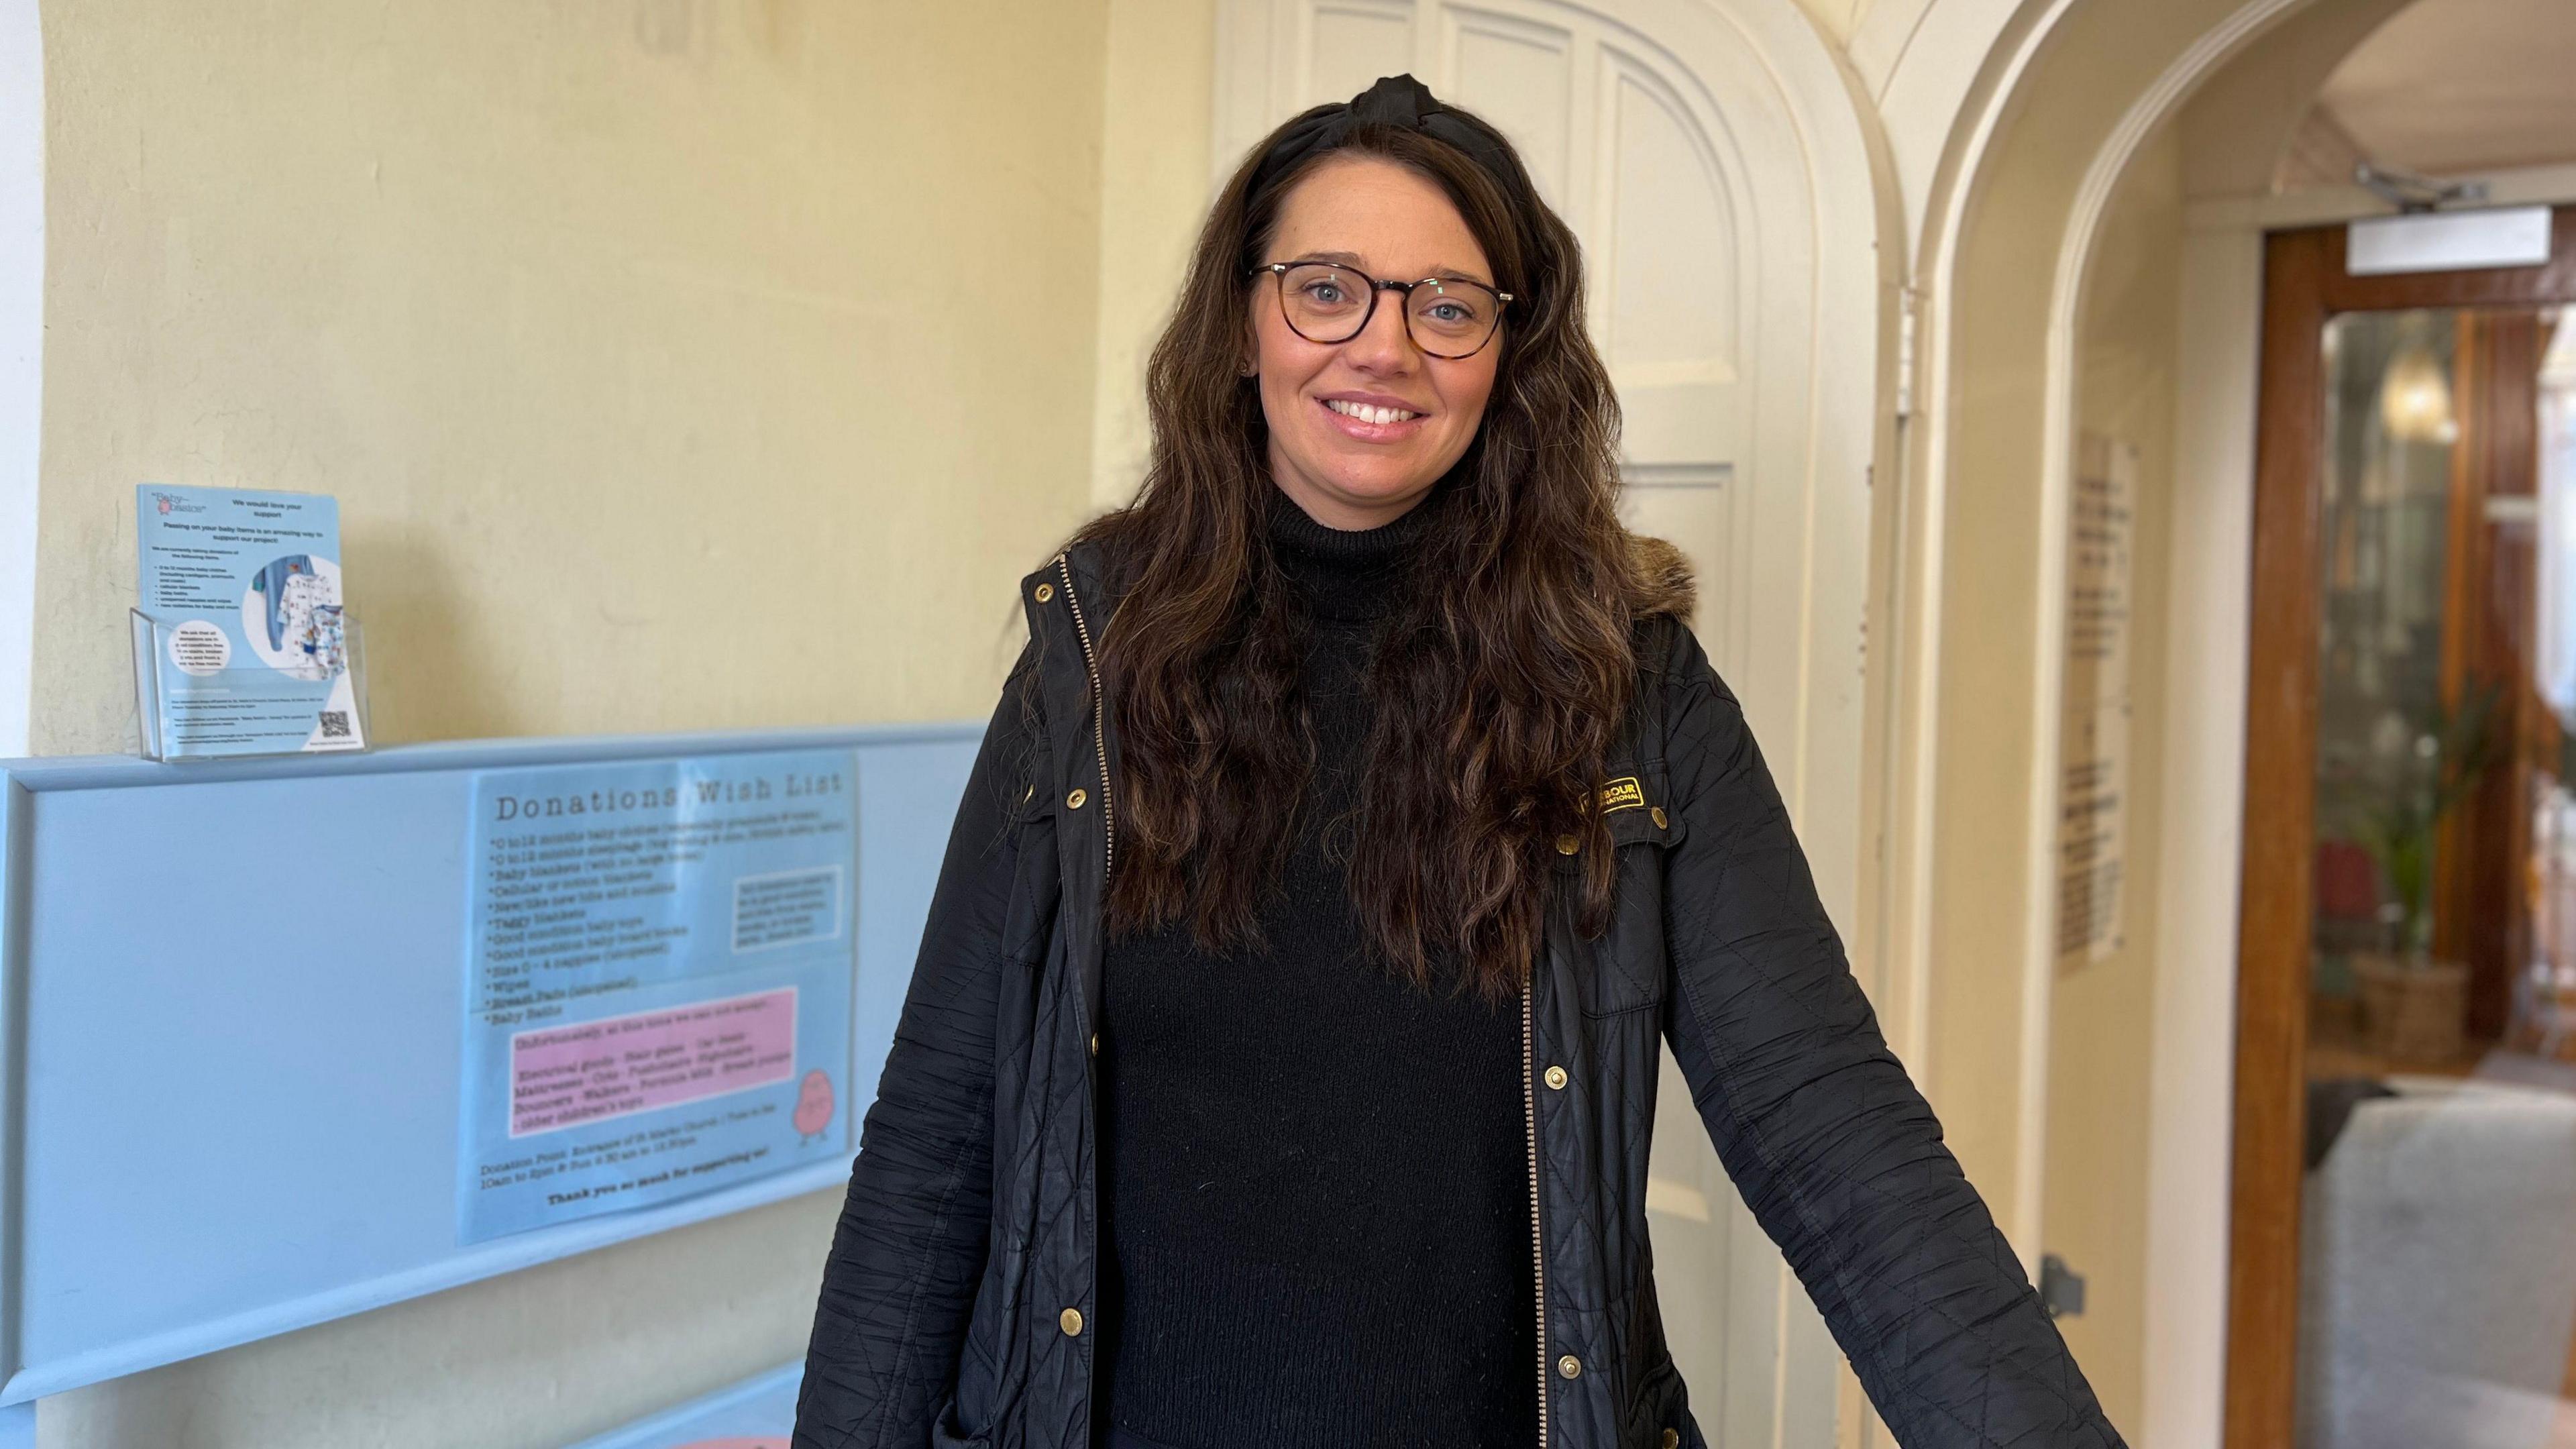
{"type": "Point", "coordinates": [2064, 112]}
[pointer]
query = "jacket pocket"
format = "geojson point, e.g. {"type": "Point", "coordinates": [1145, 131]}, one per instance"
{"type": "Point", "coordinates": [1627, 966]}
{"type": "Point", "coordinates": [1029, 919]}
{"type": "Point", "coordinates": [1666, 1409]}
{"type": "Point", "coordinates": [945, 1432]}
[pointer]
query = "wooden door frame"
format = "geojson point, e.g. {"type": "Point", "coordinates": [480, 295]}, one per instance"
{"type": "Point", "coordinates": [2305, 285]}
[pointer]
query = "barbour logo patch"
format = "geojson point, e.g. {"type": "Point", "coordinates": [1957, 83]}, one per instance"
{"type": "Point", "coordinates": [1623, 793]}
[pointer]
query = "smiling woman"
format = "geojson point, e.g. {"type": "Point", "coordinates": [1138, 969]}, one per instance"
{"type": "Point", "coordinates": [1359, 824]}
{"type": "Point", "coordinates": [1363, 419]}
{"type": "Point", "coordinates": [1496, 453]}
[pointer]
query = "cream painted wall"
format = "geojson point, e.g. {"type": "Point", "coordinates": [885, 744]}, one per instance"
{"type": "Point", "coordinates": [1154, 168]}
{"type": "Point", "coordinates": [1983, 706]}
{"type": "Point", "coordinates": [2094, 1211]}
{"type": "Point", "coordinates": [22, 345]}
{"type": "Point", "coordinates": [534, 1360]}
{"type": "Point", "coordinates": [626, 332]}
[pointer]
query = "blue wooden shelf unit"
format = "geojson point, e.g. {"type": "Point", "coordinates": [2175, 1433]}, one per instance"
{"type": "Point", "coordinates": [757, 1413]}
{"type": "Point", "coordinates": [231, 1035]}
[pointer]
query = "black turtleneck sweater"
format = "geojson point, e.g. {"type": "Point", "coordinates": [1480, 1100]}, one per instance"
{"type": "Point", "coordinates": [1317, 1184]}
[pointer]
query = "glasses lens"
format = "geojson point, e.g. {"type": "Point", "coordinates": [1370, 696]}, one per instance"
{"type": "Point", "coordinates": [1325, 303]}
{"type": "Point", "coordinates": [1453, 319]}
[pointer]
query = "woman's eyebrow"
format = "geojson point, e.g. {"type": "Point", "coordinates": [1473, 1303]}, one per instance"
{"type": "Point", "coordinates": [1352, 260]}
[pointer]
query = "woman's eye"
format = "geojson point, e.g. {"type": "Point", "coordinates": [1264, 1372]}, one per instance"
{"type": "Point", "coordinates": [1326, 292]}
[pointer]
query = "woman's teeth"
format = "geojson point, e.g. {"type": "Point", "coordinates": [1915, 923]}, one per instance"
{"type": "Point", "coordinates": [1368, 414]}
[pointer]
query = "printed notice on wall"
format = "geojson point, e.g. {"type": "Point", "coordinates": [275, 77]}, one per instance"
{"type": "Point", "coordinates": [658, 982]}
{"type": "Point", "coordinates": [249, 643]}
{"type": "Point", "coordinates": [2093, 783]}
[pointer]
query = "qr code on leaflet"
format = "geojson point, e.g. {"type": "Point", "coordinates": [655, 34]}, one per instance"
{"type": "Point", "coordinates": [335, 724]}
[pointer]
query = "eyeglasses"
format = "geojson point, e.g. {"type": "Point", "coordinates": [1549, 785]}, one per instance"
{"type": "Point", "coordinates": [1445, 317]}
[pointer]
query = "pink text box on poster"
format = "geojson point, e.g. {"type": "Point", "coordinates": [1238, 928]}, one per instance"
{"type": "Point", "coordinates": [566, 1075]}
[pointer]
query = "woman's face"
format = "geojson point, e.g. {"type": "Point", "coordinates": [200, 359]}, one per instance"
{"type": "Point", "coordinates": [1353, 472]}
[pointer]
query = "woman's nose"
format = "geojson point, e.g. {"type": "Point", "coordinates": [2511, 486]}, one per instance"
{"type": "Point", "coordinates": [1383, 345]}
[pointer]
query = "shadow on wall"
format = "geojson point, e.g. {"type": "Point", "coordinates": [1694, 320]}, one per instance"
{"type": "Point", "coordinates": [451, 685]}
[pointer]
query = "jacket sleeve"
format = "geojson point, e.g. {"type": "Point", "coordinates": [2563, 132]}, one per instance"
{"type": "Point", "coordinates": [1836, 1153]}
{"type": "Point", "coordinates": [911, 1241]}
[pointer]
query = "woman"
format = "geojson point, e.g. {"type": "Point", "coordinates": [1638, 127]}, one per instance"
{"type": "Point", "coordinates": [1280, 1063]}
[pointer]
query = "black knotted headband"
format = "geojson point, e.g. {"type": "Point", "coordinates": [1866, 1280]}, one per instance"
{"type": "Point", "coordinates": [1398, 101]}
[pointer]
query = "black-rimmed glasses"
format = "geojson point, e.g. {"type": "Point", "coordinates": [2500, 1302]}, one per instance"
{"type": "Point", "coordinates": [1446, 317]}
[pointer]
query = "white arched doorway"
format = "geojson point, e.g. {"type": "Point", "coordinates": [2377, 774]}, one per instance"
{"type": "Point", "coordinates": [1723, 183]}
{"type": "Point", "coordinates": [2041, 109]}
{"type": "Point", "coordinates": [2056, 99]}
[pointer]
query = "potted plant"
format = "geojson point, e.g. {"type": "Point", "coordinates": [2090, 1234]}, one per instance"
{"type": "Point", "coordinates": [2414, 1007]}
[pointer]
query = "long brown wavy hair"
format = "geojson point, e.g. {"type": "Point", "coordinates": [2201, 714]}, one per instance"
{"type": "Point", "coordinates": [1498, 686]}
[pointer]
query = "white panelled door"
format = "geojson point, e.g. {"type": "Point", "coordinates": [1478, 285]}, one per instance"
{"type": "Point", "coordinates": [1710, 159]}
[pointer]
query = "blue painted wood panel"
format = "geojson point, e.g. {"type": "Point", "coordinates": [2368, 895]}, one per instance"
{"type": "Point", "coordinates": [231, 1017]}
{"type": "Point", "coordinates": [759, 1411]}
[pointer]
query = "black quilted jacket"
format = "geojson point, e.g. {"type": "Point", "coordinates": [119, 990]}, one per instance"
{"type": "Point", "coordinates": [957, 1303]}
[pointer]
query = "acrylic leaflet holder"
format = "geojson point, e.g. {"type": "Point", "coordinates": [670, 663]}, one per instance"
{"type": "Point", "coordinates": [199, 695]}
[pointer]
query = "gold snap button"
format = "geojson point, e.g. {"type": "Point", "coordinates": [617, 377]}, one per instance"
{"type": "Point", "coordinates": [1672, 1438]}
{"type": "Point", "coordinates": [1074, 800]}
{"type": "Point", "coordinates": [1045, 592]}
{"type": "Point", "coordinates": [1556, 1078]}
{"type": "Point", "coordinates": [1657, 815]}
{"type": "Point", "coordinates": [1567, 1367]}
{"type": "Point", "coordinates": [1095, 1043]}
{"type": "Point", "coordinates": [1070, 1321]}
{"type": "Point", "coordinates": [1567, 845]}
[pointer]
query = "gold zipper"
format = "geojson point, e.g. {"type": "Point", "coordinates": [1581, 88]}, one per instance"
{"type": "Point", "coordinates": [1538, 1241]}
{"type": "Point", "coordinates": [1109, 853]}
{"type": "Point", "coordinates": [1099, 718]}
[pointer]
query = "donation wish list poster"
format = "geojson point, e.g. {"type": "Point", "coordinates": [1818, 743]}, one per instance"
{"type": "Point", "coordinates": [658, 982]}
